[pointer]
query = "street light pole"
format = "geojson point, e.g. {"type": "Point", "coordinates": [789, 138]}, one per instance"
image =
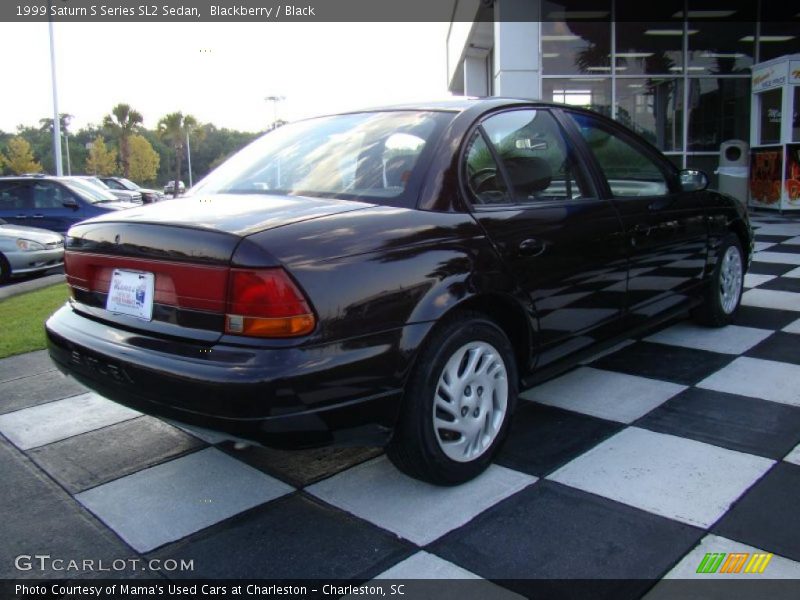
{"type": "Point", "coordinates": [56, 120]}
{"type": "Point", "coordinates": [275, 100]}
{"type": "Point", "coordinates": [66, 142]}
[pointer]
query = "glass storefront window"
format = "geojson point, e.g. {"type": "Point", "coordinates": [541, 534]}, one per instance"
{"type": "Point", "coordinates": [654, 47]}
{"type": "Point", "coordinates": [719, 110]}
{"type": "Point", "coordinates": [652, 108]}
{"type": "Point", "coordinates": [576, 38]}
{"type": "Point", "coordinates": [721, 44]}
{"type": "Point", "coordinates": [769, 117]}
{"type": "Point", "coordinates": [780, 29]}
{"type": "Point", "coordinates": [593, 93]}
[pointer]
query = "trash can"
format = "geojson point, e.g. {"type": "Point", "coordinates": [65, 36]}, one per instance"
{"type": "Point", "coordinates": [733, 171]}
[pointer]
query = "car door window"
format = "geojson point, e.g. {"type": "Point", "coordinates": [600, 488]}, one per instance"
{"type": "Point", "coordinates": [484, 179]}
{"type": "Point", "coordinates": [14, 196]}
{"type": "Point", "coordinates": [47, 195]}
{"type": "Point", "coordinates": [535, 156]}
{"type": "Point", "coordinates": [629, 170]}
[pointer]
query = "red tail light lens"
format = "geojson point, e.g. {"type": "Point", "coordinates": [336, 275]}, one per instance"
{"type": "Point", "coordinates": [266, 303]}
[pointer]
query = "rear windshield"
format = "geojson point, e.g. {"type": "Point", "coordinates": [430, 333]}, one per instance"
{"type": "Point", "coordinates": [365, 156]}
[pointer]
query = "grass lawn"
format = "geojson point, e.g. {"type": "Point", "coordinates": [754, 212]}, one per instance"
{"type": "Point", "coordinates": [22, 319]}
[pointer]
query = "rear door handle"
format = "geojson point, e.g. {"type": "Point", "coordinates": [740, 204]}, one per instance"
{"type": "Point", "coordinates": [532, 247]}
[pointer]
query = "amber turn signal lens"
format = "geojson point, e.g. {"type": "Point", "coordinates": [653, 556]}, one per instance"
{"type": "Point", "coordinates": [279, 327]}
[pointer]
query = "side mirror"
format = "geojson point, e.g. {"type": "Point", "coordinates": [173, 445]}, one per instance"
{"type": "Point", "coordinates": [693, 181]}
{"type": "Point", "coordinates": [70, 203]}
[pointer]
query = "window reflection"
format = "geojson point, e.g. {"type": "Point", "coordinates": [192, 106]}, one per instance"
{"type": "Point", "coordinates": [576, 37]}
{"type": "Point", "coordinates": [593, 93]}
{"type": "Point", "coordinates": [651, 108]}
{"type": "Point", "coordinates": [719, 110]}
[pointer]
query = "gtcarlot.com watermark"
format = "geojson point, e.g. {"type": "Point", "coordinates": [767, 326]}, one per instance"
{"type": "Point", "coordinates": [48, 563]}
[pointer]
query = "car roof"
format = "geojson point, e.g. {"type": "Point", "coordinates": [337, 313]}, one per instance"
{"type": "Point", "coordinates": [457, 104]}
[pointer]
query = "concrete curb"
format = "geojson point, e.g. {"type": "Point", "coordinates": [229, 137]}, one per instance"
{"type": "Point", "coordinates": [29, 286]}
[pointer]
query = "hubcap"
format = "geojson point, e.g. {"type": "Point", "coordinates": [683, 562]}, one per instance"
{"type": "Point", "coordinates": [730, 279]}
{"type": "Point", "coordinates": [471, 401]}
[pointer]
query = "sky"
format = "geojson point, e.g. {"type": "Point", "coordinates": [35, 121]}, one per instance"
{"type": "Point", "coordinates": [219, 73]}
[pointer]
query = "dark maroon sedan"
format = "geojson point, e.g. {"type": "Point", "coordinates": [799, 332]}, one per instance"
{"type": "Point", "coordinates": [396, 276]}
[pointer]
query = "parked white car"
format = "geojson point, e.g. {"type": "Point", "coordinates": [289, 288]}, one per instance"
{"type": "Point", "coordinates": [26, 250]}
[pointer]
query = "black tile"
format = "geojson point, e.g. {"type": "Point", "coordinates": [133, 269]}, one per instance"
{"type": "Point", "coordinates": [767, 516]}
{"type": "Point", "coordinates": [767, 268]}
{"type": "Point", "coordinates": [292, 538]}
{"type": "Point", "coordinates": [780, 346]}
{"type": "Point", "coordinates": [543, 438]}
{"type": "Point", "coordinates": [663, 361]}
{"type": "Point", "coordinates": [41, 518]}
{"type": "Point", "coordinates": [772, 239]}
{"type": "Point", "coordinates": [37, 389]}
{"type": "Point", "coordinates": [764, 318]}
{"type": "Point", "coordinates": [783, 284]}
{"type": "Point", "coordinates": [300, 468]}
{"type": "Point", "coordinates": [786, 248]}
{"type": "Point", "coordinates": [553, 532]}
{"type": "Point", "coordinates": [736, 422]}
{"type": "Point", "coordinates": [25, 365]}
{"type": "Point", "coordinates": [88, 460]}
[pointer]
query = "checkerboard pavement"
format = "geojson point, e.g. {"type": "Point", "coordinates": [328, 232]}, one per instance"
{"type": "Point", "coordinates": [631, 466]}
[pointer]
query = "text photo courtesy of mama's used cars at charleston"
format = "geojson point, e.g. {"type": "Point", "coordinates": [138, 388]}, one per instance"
{"type": "Point", "coordinates": [394, 276]}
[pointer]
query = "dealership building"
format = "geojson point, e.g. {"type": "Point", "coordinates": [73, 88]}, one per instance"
{"type": "Point", "coordinates": [678, 72]}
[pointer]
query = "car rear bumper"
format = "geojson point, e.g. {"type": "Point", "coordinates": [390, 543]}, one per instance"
{"type": "Point", "coordinates": [343, 393]}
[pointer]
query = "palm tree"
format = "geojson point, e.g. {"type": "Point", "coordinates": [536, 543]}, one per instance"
{"type": "Point", "coordinates": [173, 129]}
{"type": "Point", "coordinates": [122, 123]}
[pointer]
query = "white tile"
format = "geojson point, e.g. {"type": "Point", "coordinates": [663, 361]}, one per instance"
{"type": "Point", "coordinates": [425, 566]}
{"type": "Point", "coordinates": [787, 229]}
{"type": "Point", "coordinates": [47, 423]}
{"type": "Point", "coordinates": [795, 241]}
{"type": "Point", "coordinates": [761, 246]}
{"type": "Point", "coordinates": [794, 456]}
{"type": "Point", "coordinates": [783, 258]}
{"type": "Point", "coordinates": [605, 394]}
{"type": "Point", "coordinates": [765, 379]}
{"type": "Point", "coordinates": [771, 299]}
{"type": "Point", "coordinates": [794, 273]}
{"type": "Point", "coordinates": [172, 500]}
{"type": "Point", "coordinates": [793, 327]}
{"type": "Point", "coordinates": [752, 280]}
{"type": "Point", "coordinates": [674, 477]}
{"type": "Point", "coordinates": [207, 435]}
{"type": "Point", "coordinates": [777, 567]}
{"type": "Point", "coordinates": [417, 511]}
{"type": "Point", "coordinates": [732, 339]}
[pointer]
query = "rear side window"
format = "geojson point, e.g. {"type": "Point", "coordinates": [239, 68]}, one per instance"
{"type": "Point", "coordinates": [14, 195]}
{"type": "Point", "coordinates": [629, 171]}
{"type": "Point", "coordinates": [535, 157]}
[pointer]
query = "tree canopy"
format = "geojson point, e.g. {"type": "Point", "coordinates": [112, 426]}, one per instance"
{"type": "Point", "coordinates": [19, 157]}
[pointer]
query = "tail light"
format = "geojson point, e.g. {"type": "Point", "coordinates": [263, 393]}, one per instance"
{"type": "Point", "coordinates": [266, 303]}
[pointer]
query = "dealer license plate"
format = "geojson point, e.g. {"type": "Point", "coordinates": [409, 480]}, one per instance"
{"type": "Point", "coordinates": [131, 293]}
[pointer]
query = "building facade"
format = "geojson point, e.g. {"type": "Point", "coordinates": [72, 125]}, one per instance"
{"type": "Point", "coordinates": [677, 72]}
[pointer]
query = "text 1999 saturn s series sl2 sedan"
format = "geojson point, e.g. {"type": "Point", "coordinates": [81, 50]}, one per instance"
{"type": "Point", "coordinates": [395, 276]}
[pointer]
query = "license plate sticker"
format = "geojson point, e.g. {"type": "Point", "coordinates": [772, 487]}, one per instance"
{"type": "Point", "coordinates": [131, 293]}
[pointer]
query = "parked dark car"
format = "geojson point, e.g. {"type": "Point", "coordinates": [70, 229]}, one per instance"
{"type": "Point", "coordinates": [53, 203]}
{"type": "Point", "coordinates": [395, 276]}
{"type": "Point", "coordinates": [122, 184]}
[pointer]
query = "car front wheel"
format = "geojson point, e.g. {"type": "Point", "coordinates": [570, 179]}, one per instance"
{"type": "Point", "coordinates": [725, 291]}
{"type": "Point", "coordinates": [458, 402]}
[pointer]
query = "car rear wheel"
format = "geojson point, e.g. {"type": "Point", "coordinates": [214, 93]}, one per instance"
{"type": "Point", "coordinates": [725, 292]}
{"type": "Point", "coordinates": [5, 270]}
{"type": "Point", "coordinates": [458, 402]}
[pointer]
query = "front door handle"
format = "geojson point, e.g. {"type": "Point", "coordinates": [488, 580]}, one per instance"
{"type": "Point", "coordinates": [532, 247]}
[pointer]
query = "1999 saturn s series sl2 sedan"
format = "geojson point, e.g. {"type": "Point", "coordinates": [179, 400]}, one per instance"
{"type": "Point", "coordinates": [395, 275]}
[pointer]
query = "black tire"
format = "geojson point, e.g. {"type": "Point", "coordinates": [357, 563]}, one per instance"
{"type": "Point", "coordinates": [5, 270]}
{"type": "Point", "coordinates": [713, 312]}
{"type": "Point", "coordinates": [416, 448]}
